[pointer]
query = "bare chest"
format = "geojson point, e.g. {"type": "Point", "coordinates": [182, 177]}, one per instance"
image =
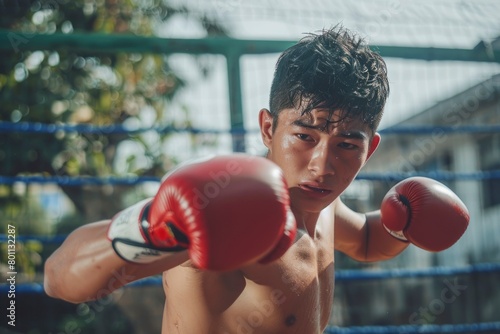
{"type": "Point", "coordinates": [291, 295]}
{"type": "Point", "coordinates": [298, 288]}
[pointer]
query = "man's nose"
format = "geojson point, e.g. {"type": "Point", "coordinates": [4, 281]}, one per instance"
{"type": "Point", "coordinates": [321, 162]}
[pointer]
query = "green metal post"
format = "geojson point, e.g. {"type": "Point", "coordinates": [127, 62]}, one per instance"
{"type": "Point", "coordinates": [235, 100]}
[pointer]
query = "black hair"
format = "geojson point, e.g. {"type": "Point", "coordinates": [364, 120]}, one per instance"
{"type": "Point", "coordinates": [332, 70]}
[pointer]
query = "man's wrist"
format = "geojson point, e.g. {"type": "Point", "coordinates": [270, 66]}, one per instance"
{"type": "Point", "coordinates": [130, 237]}
{"type": "Point", "coordinates": [127, 223]}
{"type": "Point", "coordinates": [399, 235]}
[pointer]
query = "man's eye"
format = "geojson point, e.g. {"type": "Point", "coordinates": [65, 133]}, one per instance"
{"type": "Point", "coordinates": [348, 146]}
{"type": "Point", "coordinates": [303, 136]}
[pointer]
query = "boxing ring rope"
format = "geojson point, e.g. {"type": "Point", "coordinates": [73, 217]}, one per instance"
{"type": "Point", "coordinates": [30, 127]}
{"type": "Point", "coordinates": [116, 180]}
{"type": "Point", "coordinates": [340, 275]}
{"type": "Point", "coordinates": [407, 329]}
{"type": "Point", "coordinates": [34, 127]}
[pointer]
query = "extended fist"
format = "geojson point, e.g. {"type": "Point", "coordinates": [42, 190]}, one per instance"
{"type": "Point", "coordinates": [227, 211]}
{"type": "Point", "coordinates": [424, 212]}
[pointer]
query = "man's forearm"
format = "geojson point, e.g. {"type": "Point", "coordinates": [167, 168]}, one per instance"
{"type": "Point", "coordinates": [380, 245]}
{"type": "Point", "coordinates": [86, 267]}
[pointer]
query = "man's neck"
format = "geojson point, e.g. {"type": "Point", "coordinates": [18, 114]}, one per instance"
{"type": "Point", "coordinates": [307, 221]}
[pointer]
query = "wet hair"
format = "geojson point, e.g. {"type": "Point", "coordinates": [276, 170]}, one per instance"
{"type": "Point", "coordinates": [333, 70]}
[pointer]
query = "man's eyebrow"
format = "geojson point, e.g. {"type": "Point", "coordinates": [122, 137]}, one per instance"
{"type": "Point", "coordinates": [349, 134]}
{"type": "Point", "coordinates": [356, 134]}
{"type": "Point", "coordinates": [299, 122]}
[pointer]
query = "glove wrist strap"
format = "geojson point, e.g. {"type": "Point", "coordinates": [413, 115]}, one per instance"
{"type": "Point", "coordinates": [396, 234]}
{"type": "Point", "coordinates": [130, 239]}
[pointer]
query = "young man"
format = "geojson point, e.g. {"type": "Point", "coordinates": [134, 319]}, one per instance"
{"type": "Point", "coordinates": [260, 233]}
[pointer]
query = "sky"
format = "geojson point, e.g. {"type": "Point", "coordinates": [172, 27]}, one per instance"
{"type": "Point", "coordinates": [415, 85]}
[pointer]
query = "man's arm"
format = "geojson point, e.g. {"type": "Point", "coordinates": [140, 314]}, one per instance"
{"type": "Point", "coordinates": [417, 210]}
{"type": "Point", "coordinates": [86, 267]}
{"type": "Point", "coordinates": [218, 229]}
{"type": "Point", "coordinates": [362, 236]}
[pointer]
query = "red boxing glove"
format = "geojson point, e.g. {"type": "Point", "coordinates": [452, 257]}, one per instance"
{"type": "Point", "coordinates": [227, 211]}
{"type": "Point", "coordinates": [425, 213]}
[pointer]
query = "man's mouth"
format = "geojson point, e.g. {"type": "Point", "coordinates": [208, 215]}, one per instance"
{"type": "Point", "coordinates": [314, 189]}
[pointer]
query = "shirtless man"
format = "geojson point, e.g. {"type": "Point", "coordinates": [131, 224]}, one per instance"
{"type": "Point", "coordinates": [251, 266]}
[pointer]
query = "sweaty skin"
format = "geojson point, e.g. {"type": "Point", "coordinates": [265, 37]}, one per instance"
{"type": "Point", "coordinates": [295, 293]}
{"type": "Point", "coordinates": [291, 295]}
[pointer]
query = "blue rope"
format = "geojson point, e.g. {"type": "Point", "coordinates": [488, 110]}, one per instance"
{"type": "Point", "coordinates": [79, 180]}
{"type": "Point", "coordinates": [37, 288]}
{"type": "Point", "coordinates": [340, 276]}
{"type": "Point", "coordinates": [358, 275]}
{"type": "Point", "coordinates": [436, 175]}
{"type": "Point", "coordinates": [29, 127]}
{"type": "Point", "coordinates": [134, 180]}
{"type": "Point", "coordinates": [51, 239]}
{"type": "Point", "coordinates": [448, 328]}
{"type": "Point", "coordinates": [439, 129]}
{"type": "Point", "coordinates": [362, 275]}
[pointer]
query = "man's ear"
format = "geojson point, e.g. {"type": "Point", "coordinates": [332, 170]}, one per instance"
{"type": "Point", "coordinates": [266, 127]}
{"type": "Point", "coordinates": [373, 145]}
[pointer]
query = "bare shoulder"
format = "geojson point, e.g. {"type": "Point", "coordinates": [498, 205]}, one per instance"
{"type": "Point", "coordinates": [349, 229]}
{"type": "Point", "coordinates": [345, 215]}
{"type": "Point", "coordinates": [216, 289]}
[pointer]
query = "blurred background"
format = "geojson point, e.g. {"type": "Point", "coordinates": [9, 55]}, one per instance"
{"type": "Point", "coordinates": [100, 98]}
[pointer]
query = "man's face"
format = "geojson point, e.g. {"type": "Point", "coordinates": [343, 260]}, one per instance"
{"type": "Point", "coordinates": [319, 157]}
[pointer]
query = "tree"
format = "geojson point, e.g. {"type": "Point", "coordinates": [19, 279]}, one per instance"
{"type": "Point", "coordinates": [69, 86]}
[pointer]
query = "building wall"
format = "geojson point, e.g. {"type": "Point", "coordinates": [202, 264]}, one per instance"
{"type": "Point", "coordinates": [455, 153]}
